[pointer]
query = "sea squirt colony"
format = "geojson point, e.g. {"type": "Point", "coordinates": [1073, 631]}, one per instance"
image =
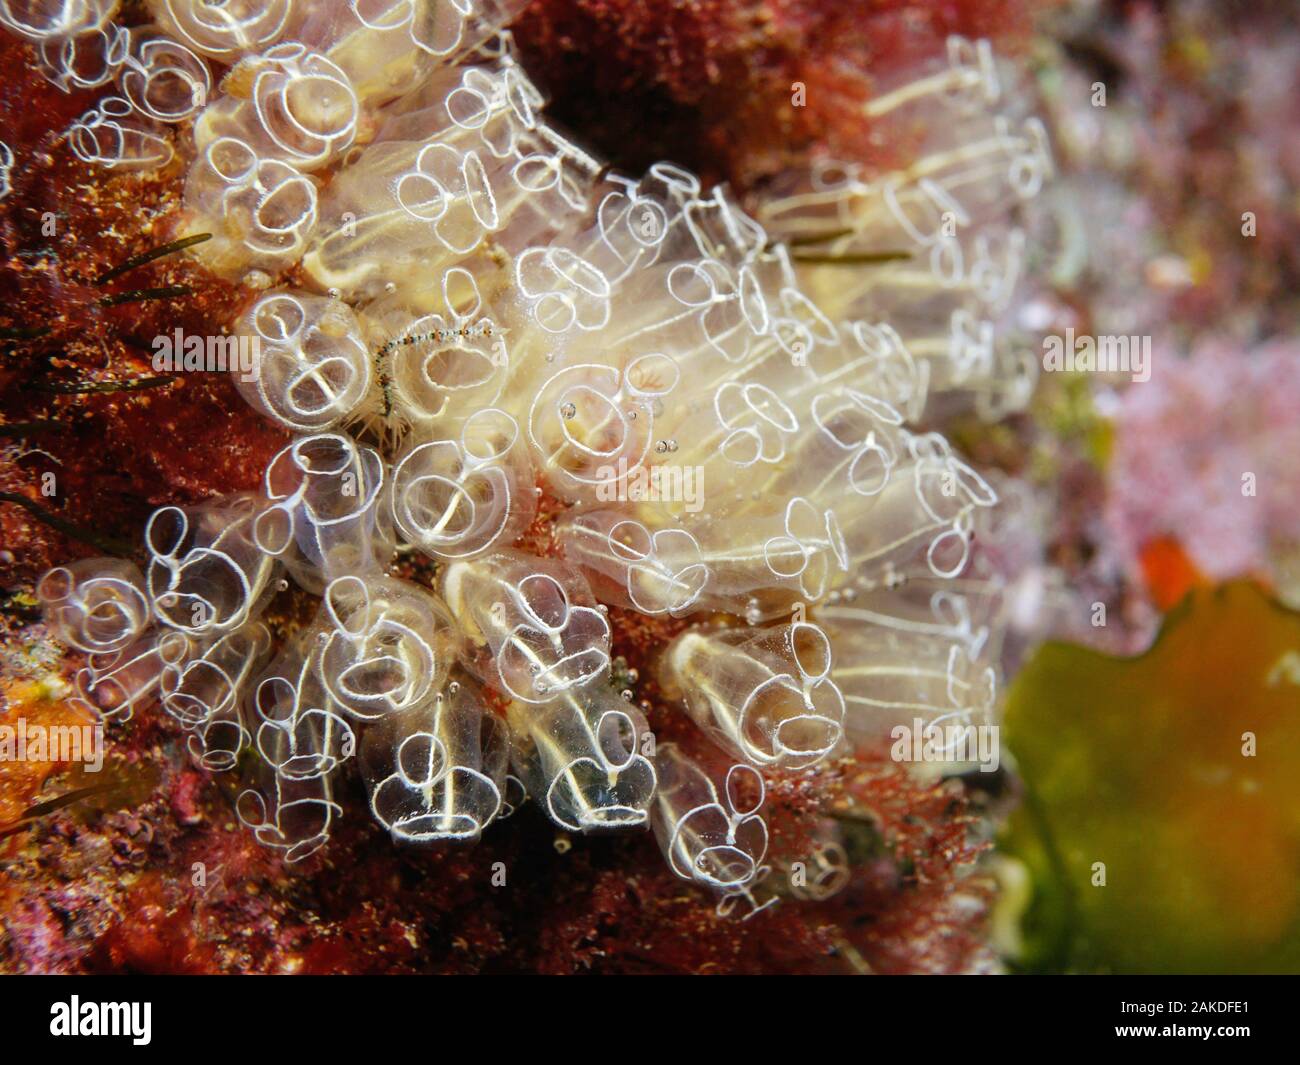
{"type": "Point", "coordinates": [481, 307]}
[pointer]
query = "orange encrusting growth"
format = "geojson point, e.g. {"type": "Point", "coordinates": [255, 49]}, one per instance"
{"type": "Point", "coordinates": [34, 704]}
{"type": "Point", "coordinates": [1169, 571]}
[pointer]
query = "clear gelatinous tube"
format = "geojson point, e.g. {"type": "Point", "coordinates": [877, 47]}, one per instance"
{"type": "Point", "coordinates": [95, 604]}
{"type": "Point", "coordinates": [84, 60]}
{"type": "Point", "coordinates": [385, 645]}
{"type": "Point", "coordinates": [207, 574]}
{"type": "Point", "coordinates": [261, 211]}
{"type": "Point", "coordinates": [463, 182]}
{"type": "Point", "coordinates": [292, 815]}
{"type": "Point", "coordinates": [114, 684]}
{"type": "Point", "coordinates": [533, 629]}
{"type": "Point", "coordinates": [443, 365]}
{"type": "Point", "coordinates": [461, 498]}
{"type": "Point", "coordinates": [225, 29]}
{"type": "Point", "coordinates": [301, 109]}
{"type": "Point", "coordinates": [312, 369]}
{"type": "Point", "coordinates": [654, 572]}
{"type": "Point", "coordinates": [895, 669]}
{"type": "Point", "coordinates": [590, 425]}
{"type": "Point", "coordinates": [580, 757]}
{"type": "Point", "coordinates": [329, 515]}
{"type": "Point", "coordinates": [163, 79]}
{"type": "Point", "coordinates": [202, 687]}
{"type": "Point", "coordinates": [41, 20]}
{"type": "Point", "coordinates": [436, 770]}
{"type": "Point", "coordinates": [765, 695]}
{"type": "Point", "coordinates": [113, 135]}
{"type": "Point", "coordinates": [387, 46]}
{"type": "Point", "coordinates": [299, 730]}
{"type": "Point", "coordinates": [710, 831]}
{"type": "Point", "coordinates": [821, 870]}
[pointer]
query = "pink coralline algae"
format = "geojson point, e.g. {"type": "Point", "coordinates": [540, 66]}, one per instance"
{"type": "Point", "coordinates": [1206, 454]}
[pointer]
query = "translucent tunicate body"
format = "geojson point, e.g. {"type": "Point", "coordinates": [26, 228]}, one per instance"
{"type": "Point", "coordinates": [436, 770]}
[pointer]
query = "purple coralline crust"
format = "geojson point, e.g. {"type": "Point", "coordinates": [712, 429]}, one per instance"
{"type": "Point", "coordinates": [1207, 455]}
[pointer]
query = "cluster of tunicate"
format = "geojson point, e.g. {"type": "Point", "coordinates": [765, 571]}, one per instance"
{"type": "Point", "coordinates": [944, 232]}
{"type": "Point", "coordinates": [481, 313]}
{"type": "Point", "coordinates": [159, 82]}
